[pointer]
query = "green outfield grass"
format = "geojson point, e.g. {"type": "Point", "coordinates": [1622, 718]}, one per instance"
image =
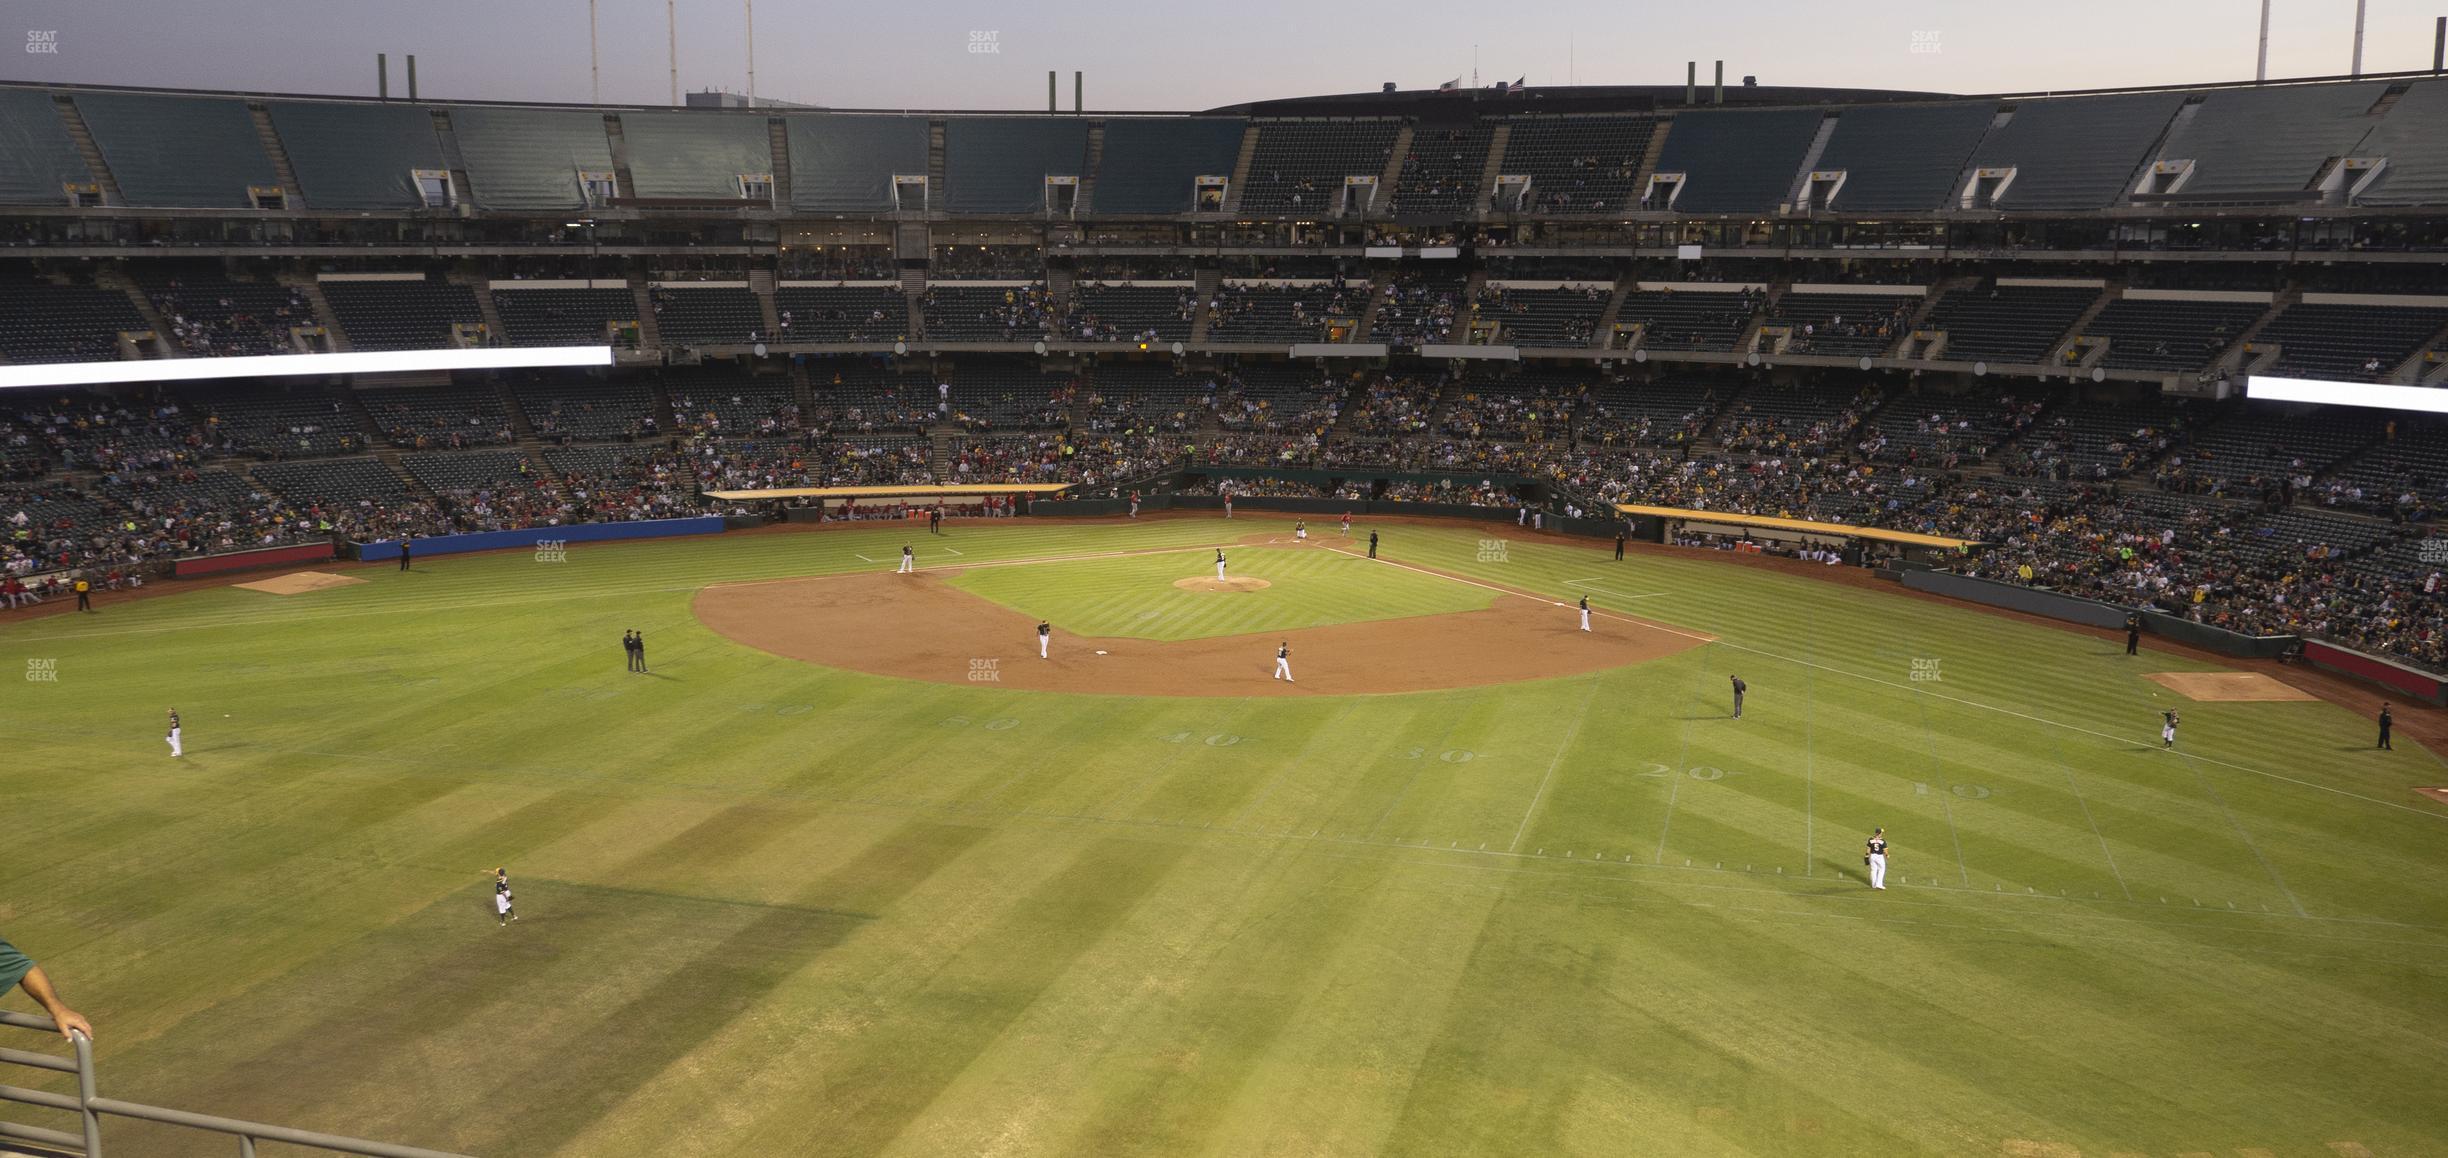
{"type": "Point", "coordinates": [1310, 586]}
{"type": "Point", "coordinates": [775, 909]}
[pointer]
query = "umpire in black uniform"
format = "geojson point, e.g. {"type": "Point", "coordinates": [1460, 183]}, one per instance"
{"type": "Point", "coordinates": [1372, 544]}
{"type": "Point", "coordinates": [404, 552]}
{"type": "Point", "coordinates": [2387, 721]}
{"type": "Point", "coordinates": [2133, 633]}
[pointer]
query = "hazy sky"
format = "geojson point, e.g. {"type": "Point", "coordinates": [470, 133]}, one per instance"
{"type": "Point", "coordinates": [1162, 54]}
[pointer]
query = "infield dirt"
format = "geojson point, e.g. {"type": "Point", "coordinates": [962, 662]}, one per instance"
{"type": "Point", "coordinates": [918, 627]}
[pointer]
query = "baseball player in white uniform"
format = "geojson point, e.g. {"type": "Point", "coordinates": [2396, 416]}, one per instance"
{"type": "Point", "coordinates": [175, 748]}
{"type": "Point", "coordinates": [1876, 857]}
{"type": "Point", "coordinates": [1045, 636]}
{"type": "Point", "coordinates": [909, 563]}
{"type": "Point", "coordinates": [501, 906]}
{"type": "Point", "coordinates": [1300, 530]}
{"type": "Point", "coordinates": [2167, 729]}
{"type": "Point", "coordinates": [1283, 661]}
{"type": "Point", "coordinates": [1585, 613]}
{"type": "Point", "coordinates": [1219, 564]}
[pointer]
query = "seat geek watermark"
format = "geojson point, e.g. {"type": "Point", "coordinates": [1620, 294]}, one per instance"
{"type": "Point", "coordinates": [985, 42]}
{"type": "Point", "coordinates": [1492, 551]}
{"type": "Point", "coordinates": [985, 671]}
{"type": "Point", "coordinates": [552, 551]}
{"type": "Point", "coordinates": [42, 671]}
{"type": "Point", "coordinates": [1925, 42]}
{"type": "Point", "coordinates": [42, 42]}
{"type": "Point", "coordinates": [1925, 671]}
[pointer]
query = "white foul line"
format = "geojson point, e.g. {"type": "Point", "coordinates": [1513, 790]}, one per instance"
{"type": "Point", "coordinates": [1951, 699]}
{"type": "Point", "coordinates": [1574, 733]}
{"type": "Point", "coordinates": [1592, 584]}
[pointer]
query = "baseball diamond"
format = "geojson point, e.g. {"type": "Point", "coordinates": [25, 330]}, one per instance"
{"type": "Point", "coordinates": [1889, 603]}
{"type": "Point", "coordinates": [885, 899]}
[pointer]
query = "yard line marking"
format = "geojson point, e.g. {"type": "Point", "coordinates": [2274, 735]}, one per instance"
{"type": "Point", "coordinates": [1324, 731]}
{"type": "Point", "coordinates": [1938, 777]}
{"type": "Point", "coordinates": [1443, 739]}
{"type": "Point", "coordinates": [2246, 837]}
{"type": "Point", "coordinates": [2432, 813]}
{"type": "Point", "coordinates": [2057, 749]}
{"type": "Point", "coordinates": [1810, 762]}
{"type": "Point", "coordinates": [1674, 779]}
{"type": "Point", "coordinates": [1570, 735]}
{"type": "Point", "coordinates": [1593, 586]}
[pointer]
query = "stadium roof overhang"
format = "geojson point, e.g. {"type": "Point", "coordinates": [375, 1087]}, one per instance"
{"type": "Point", "coordinates": [892, 492]}
{"type": "Point", "coordinates": [1801, 526]}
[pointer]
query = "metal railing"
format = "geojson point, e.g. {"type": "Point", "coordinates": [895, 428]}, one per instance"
{"type": "Point", "coordinates": [91, 1108]}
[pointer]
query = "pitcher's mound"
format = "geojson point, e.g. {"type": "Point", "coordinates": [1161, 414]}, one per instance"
{"type": "Point", "coordinates": [1235, 583]}
{"type": "Point", "coordinates": [300, 582]}
{"type": "Point", "coordinates": [2226, 685]}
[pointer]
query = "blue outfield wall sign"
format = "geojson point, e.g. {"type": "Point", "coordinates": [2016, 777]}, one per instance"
{"type": "Point", "coordinates": [533, 537]}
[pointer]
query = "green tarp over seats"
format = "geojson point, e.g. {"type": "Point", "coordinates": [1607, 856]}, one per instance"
{"type": "Point", "coordinates": [695, 154]}
{"type": "Point", "coordinates": [178, 152]}
{"type": "Point", "coordinates": [357, 156]}
{"type": "Point", "coordinates": [530, 158]}
{"type": "Point", "coordinates": [37, 159]}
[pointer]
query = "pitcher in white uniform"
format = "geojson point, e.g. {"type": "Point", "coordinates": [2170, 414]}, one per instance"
{"type": "Point", "coordinates": [1283, 661]}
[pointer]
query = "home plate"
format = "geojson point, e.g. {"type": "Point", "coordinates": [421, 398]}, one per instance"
{"type": "Point", "coordinates": [2226, 685]}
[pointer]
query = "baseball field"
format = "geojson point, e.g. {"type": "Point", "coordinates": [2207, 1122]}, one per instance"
{"type": "Point", "coordinates": [852, 871]}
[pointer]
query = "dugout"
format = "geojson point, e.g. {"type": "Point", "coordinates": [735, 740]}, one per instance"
{"type": "Point", "coordinates": [1857, 545]}
{"type": "Point", "coordinates": [819, 504]}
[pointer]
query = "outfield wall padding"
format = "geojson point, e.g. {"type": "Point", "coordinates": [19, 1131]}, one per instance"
{"type": "Point", "coordinates": [2387, 673]}
{"type": "Point", "coordinates": [2029, 600]}
{"type": "Point", "coordinates": [532, 536]}
{"type": "Point", "coordinates": [2093, 613]}
{"type": "Point", "coordinates": [2217, 639]}
{"type": "Point", "coordinates": [288, 556]}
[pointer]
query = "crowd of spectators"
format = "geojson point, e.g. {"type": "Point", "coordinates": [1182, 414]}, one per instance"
{"type": "Point", "coordinates": [2108, 502]}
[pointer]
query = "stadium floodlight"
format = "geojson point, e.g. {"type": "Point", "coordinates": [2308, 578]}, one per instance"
{"type": "Point", "coordinates": [294, 365]}
{"type": "Point", "coordinates": [2426, 399]}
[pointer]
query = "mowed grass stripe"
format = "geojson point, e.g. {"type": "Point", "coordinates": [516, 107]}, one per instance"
{"type": "Point", "coordinates": [1142, 941]}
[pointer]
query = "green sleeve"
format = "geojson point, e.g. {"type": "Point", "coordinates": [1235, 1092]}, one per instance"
{"type": "Point", "coordinates": [13, 965]}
